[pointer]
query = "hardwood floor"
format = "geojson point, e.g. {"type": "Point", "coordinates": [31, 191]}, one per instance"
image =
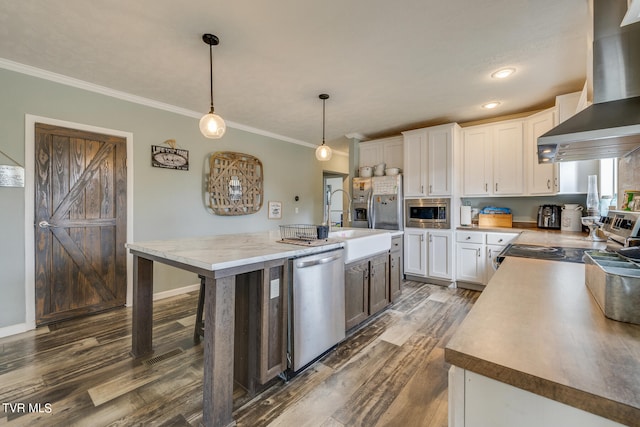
{"type": "Point", "coordinates": [389, 373]}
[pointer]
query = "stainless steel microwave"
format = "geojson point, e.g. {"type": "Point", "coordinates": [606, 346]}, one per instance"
{"type": "Point", "coordinates": [427, 213]}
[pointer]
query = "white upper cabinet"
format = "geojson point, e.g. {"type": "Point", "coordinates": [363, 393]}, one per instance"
{"type": "Point", "coordinates": [370, 154]}
{"type": "Point", "coordinates": [542, 177]}
{"type": "Point", "coordinates": [477, 165]}
{"type": "Point", "coordinates": [428, 161]}
{"type": "Point", "coordinates": [393, 152]}
{"type": "Point", "coordinates": [415, 164]}
{"type": "Point", "coordinates": [387, 150]}
{"type": "Point", "coordinates": [508, 159]}
{"type": "Point", "coordinates": [440, 160]}
{"type": "Point", "coordinates": [493, 159]}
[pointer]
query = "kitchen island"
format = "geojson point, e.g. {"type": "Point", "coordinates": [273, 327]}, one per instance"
{"type": "Point", "coordinates": [219, 259]}
{"type": "Point", "coordinates": [537, 350]}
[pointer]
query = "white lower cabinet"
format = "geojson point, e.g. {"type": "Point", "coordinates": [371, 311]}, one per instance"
{"type": "Point", "coordinates": [428, 253]}
{"type": "Point", "coordinates": [491, 252]}
{"type": "Point", "coordinates": [495, 243]}
{"type": "Point", "coordinates": [415, 252]}
{"type": "Point", "coordinates": [479, 401]}
{"type": "Point", "coordinates": [475, 252]}
{"type": "Point", "coordinates": [470, 257]}
{"type": "Point", "coordinates": [440, 264]}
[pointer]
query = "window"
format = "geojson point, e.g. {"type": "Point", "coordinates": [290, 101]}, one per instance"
{"type": "Point", "coordinates": [609, 178]}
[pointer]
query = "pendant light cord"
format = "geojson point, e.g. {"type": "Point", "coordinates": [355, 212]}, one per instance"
{"type": "Point", "coordinates": [323, 101]}
{"type": "Point", "coordinates": [211, 74]}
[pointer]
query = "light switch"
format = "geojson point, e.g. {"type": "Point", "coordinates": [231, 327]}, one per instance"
{"type": "Point", "coordinates": [274, 290]}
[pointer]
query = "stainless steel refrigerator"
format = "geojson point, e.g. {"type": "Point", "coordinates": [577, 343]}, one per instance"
{"type": "Point", "coordinates": [377, 202]}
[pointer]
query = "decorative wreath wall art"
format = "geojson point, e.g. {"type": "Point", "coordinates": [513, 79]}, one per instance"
{"type": "Point", "coordinates": [235, 183]}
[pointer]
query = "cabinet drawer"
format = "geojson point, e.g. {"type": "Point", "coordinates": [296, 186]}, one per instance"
{"type": "Point", "coordinates": [469, 237]}
{"type": "Point", "coordinates": [396, 243]}
{"type": "Point", "coordinates": [500, 238]}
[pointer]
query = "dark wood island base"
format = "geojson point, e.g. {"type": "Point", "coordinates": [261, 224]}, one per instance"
{"type": "Point", "coordinates": [218, 332]}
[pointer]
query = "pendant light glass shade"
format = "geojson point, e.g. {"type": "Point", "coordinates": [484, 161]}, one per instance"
{"type": "Point", "coordinates": [323, 152]}
{"type": "Point", "coordinates": [211, 125]}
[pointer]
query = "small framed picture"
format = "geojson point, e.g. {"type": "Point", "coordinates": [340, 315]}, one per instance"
{"type": "Point", "coordinates": [275, 210]}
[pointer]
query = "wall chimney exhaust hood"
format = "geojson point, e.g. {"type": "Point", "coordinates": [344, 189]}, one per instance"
{"type": "Point", "coordinates": [610, 127]}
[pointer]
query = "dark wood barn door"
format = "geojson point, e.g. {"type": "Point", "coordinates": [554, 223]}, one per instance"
{"type": "Point", "coordinates": [80, 222]}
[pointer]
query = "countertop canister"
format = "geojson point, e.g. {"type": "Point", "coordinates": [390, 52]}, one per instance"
{"type": "Point", "coordinates": [571, 219]}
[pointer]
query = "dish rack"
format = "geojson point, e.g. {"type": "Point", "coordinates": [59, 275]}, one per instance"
{"type": "Point", "coordinates": [299, 232]}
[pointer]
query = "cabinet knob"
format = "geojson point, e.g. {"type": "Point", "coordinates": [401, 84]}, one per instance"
{"type": "Point", "coordinates": [499, 240]}
{"type": "Point", "coordinates": [468, 237]}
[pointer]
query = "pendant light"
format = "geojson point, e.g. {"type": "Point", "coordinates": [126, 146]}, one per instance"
{"type": "Point", "coordinates": [323, 152]}
{"type": "Point", "coordinates": [211, 125]}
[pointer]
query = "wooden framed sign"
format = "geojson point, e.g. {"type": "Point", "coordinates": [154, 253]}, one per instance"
{"type": "Point", "coordinates": [169, 158]}
{"type": "Point", "coordinates": [275, 210]}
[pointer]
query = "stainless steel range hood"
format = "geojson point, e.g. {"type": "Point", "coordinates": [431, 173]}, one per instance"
{"type": "Point", "coordinates": [611, 126]}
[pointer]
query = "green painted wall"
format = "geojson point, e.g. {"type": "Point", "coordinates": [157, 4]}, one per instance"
{"type": "Point", "coordinates": [167, 204]}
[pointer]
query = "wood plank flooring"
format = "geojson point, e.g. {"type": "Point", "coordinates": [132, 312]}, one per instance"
{"type": "Point", "coordinates": [391, 372]}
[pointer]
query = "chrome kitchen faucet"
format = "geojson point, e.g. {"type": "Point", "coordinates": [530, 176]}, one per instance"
{"type": "Point", "coordinates": [329, 206]}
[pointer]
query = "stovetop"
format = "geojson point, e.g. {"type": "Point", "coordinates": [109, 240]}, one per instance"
{"type": "Point", "coordinates": [621, 225]}
{"type": "Point", "coordinates": [552, 253]}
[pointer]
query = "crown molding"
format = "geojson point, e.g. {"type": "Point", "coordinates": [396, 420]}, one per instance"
{"type": "Point", "coordinates": [103, 90]}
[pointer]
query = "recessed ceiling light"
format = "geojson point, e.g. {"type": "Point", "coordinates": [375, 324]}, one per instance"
{"type": "Point", "coordinates": [503, 73]}
{"type": "Point", "coordinates": [490, 105]}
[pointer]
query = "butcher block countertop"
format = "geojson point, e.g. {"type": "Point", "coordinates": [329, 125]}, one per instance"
{"type": "Point", "coordinates": [537, 327]}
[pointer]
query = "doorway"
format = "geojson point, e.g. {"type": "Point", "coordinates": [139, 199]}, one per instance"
{"type": "Point", "coordinates": [333, 181]}
{"type": "Point", "coordinates": [86, 244]}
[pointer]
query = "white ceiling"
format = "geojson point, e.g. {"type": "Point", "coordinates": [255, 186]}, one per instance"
{"type": "Point", "coordinates": [388, 65]}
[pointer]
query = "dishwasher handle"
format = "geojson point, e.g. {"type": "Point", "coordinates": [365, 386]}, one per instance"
{"type": "Point", "coordinates": [311, 263]}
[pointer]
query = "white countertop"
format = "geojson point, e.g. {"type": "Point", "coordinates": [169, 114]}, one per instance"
{"type": "Point", "coordinates": [233, 250]}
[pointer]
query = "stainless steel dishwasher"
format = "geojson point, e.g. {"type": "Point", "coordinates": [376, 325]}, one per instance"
{"type": "Point", "coordinates": [317, 320]}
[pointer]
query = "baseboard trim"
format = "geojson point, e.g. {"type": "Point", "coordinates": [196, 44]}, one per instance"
{"type": "Point", "coordinates": [471, 286]}
{"type": "Point", "coordinates": [175, 292]}
{"type": "Point", "coordinates": [14, 329]}
{"type": "Point", "coordinates": [430, 280]}
{"type": "Point", "coordinates": [24, 327]}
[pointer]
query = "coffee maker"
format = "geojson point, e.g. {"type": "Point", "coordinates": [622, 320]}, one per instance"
{"type": "Point", "coordinates": [549, 216]}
